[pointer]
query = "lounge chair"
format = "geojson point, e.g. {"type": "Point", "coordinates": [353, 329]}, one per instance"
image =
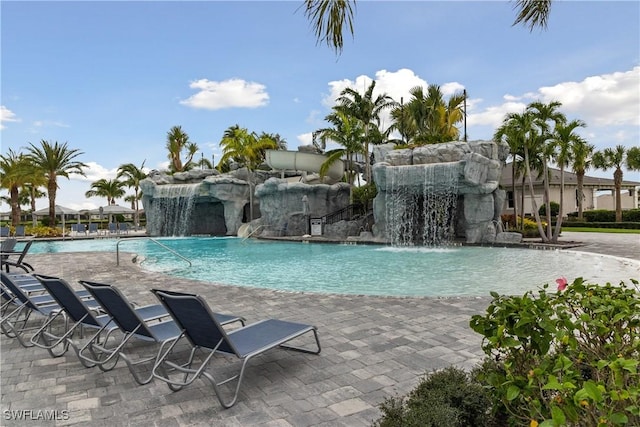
{"type": "Point", "coordinates": [113, 228]}
{"type": "Point", "coordinates": [19, 231]}
{"type": "Point", "coordinates": [131, 324]}
{"type": "Point", "coordinates": [19, 262]}
{"type": "Point", "coordinates": [204, 332]}
{"type": "Point", "coordinates": [93, 228]}
{"type": "Point", "coordinates": [15, 324]}
{"type": "Point", "coordinates": [5, 231]}
{"type": "Point", "coordinates": [77, 311]}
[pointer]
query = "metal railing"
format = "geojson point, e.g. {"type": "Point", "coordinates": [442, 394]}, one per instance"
{"type": "Point", "coordinates": [152, 240]}
{"type": "Point", "coordinates": [345, 214]}
{"type": "Point", "coordinates": [255, 230]}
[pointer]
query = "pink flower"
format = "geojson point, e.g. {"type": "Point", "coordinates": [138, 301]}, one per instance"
{"type": "Point", "coordinates": [562, 283]}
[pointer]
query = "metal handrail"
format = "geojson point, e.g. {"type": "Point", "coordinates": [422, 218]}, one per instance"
{"type": "Point", "coordinates": [154, 241]}
{"type": "Point", "coordinates": [255, 230]}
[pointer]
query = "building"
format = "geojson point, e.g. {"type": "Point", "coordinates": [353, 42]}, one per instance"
{"type": "Point", "coordinates": [597, 193]}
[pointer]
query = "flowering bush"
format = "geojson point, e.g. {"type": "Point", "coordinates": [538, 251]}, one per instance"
{"type": "Point", "coordinates": [565, 357]}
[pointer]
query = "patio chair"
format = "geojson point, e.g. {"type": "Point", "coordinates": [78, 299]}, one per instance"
{"type": "Point", "coordinates": [5, 231]}
{"type": "Point", "coordinates": [113, 228]}
{"type": "Point", "coordinates": [77, 311]}
{"type": "Point", "coordinates": [204, 332]}
{"type": "Point", "coordinates": [19, 262]}
{"type": "Point", "coordinates": [15, 324]}
{"type": "Point", "coordinates": [19, 231]}
{"type": "Point", "coordinates": [93, 228]}
{"type": "Point", "coordinates": [131, 324]}
{"type": "Point", "coordinates": [123, 228]}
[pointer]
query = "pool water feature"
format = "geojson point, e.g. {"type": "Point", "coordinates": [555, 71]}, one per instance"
{"type": "Point", "coordinates": [362, 269]}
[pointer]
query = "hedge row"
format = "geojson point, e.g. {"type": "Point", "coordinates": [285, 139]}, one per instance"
{"type": "Point", "coordinates": [604, 215]}
{"type": "Point", "coordinates": [625, 225]}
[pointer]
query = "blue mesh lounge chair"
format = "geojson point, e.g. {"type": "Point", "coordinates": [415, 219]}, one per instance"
{"type": "Point", "coordinates": [204, 332]}
{"type": "Point", "coordinates": [93, 228]}
{"type": "Point", "coordinates": [130, 324]}
{"type": "Point", "coordinates": [15, 324]}
{"type": "Point", "coordinates": [5, 231]}
{"type": "Point", "coordinates": [7, 261]}
{"type": "Point", "coordinates": [19, 231]}
{"type": "Point", "coordinates": [75, 310]}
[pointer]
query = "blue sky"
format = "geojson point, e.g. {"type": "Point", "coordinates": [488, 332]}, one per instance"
{"type": "Point", "coordinates": [111, 78]}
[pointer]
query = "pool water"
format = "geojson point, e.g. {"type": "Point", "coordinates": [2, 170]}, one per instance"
{"type": "Point", "coordinates": [361, 269]}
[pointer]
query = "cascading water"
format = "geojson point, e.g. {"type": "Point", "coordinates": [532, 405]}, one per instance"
{"type": "Point", "coordinates": [170, 212]}
{"type": "Point", "coordinates": [421, 204]}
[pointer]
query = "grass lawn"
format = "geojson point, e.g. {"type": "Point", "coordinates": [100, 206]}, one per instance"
{"type": "Point", "coordinates": [600, 230]}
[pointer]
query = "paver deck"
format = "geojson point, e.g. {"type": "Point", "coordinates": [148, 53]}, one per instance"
{"type": "Point", "coordinates": [372, 348]}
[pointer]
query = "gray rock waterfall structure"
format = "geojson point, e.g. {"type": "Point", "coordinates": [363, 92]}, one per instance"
{"type": "Point", "coordinates": [215, 204]}
{"type": "Point", "coordinates": [432, 194]}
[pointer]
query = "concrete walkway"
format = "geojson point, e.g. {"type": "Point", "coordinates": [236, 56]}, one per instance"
{"type": "Point", "coordinates": [372, 348]}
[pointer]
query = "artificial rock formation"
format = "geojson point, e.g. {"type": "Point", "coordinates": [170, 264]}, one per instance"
{"type": "Point", "coordinates": [472, 169]}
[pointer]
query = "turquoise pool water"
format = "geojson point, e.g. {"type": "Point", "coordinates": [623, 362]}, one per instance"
{"type": "Point", "coordinates": [360, 269]}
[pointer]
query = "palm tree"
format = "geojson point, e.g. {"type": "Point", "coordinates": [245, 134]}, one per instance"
{"type": "Point", "coordinates": [613, 158]}
{"type": "Point", "coordinates": [546, 118]}
{"type": "Point", "coordinates": [511, 136]}
{"type": "Point", "coordinates": [581, 161]}
{"type": "Point", "coordinates": [328, 17]}
{"type": "Point", "coordinates": [429, 119]}
{"type": "Point", "coordinates": [14, 174]}
{"type": "Point", "coordinates": [52, 160]}
{"type": "Point", "coordinates": [348, 132]}
{"type": "Point", "coordinates": [111, 189]}
{"type": "Point", "coordinates": [132, 176]}
{"type": "Point", "coordinates": [248, 150]}
{"type": "Point", "coordinates": [177, 141]}
{"type": "Point", "coordinates": [565, 139]}
{"type": "Point", "coordinates": [366, 109]}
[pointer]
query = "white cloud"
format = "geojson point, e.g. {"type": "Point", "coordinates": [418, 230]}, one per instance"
{"type": "Point", "coordinates": [607, 99]}
{"type": "Point", "coordinates": [47, 123]}
{"type": "Point", "coordinates": [7, 115]}
{"type": "Point", "coordinates": [232, 93]}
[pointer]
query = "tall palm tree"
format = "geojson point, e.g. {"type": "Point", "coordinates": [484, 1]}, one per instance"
{"type": "Point", "coordinates": [546, 118]}
{"type": "Point", "coordinates": [14, 174]}
{"type": "Point", "coordinates": [613, 158]}
{"type": "Point", "coordinates": [177, 142]}
{"type": "Point", "coordinates": [581, 162]}
{"type": "Point", "coordinates": [348, 132]}
{"type": "Point", "coordinates": [366, 109]}
{"type": "Point", "coordinates": [431, 119]}
{"type": "Point", "coordinates": [328, 17]}
{"type": "Point", "coordinates": [131, 175]}
{"type": "Point", "coordinates": [53, 160]}
{"type": "Point", "coordinates": [111, 189]}
{"type": "Point", "coordinates": [509, 134]}
{"type": "Point", "coordinates": [565, 139]}
{"type": "Point", "coordinates": [247, 149]}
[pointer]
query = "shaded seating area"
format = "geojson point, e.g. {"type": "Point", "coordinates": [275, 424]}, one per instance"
{"type": "Point", "coordinates": [204, 333]}
{"type": "Point", "coordinates": [15, 258]}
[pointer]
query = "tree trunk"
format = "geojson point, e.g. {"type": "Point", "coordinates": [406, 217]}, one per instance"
{"type": "Point", "coordinates": [522, 189]}
{"type": "Point", "coordinates": [547, 202]}
{"type": "Point", "coordinates": [580, 180]}
{"type": "Point", "coordinates": [513, 192]}
{"type": "Point", "coordinates": [556, 232]}
{"type": "Point", "coordinates": [51, 191]}
{"type": "Point", "coordinates": [533, 199]}
{"type": "Point", "coordinates": [617, 179]}
{"type": "Point", "coordinates": [15, 206]}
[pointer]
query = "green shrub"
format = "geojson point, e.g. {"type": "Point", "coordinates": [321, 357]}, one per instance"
{"type": "Point", "coordinates": [364, 195]}
{"type": "Point", "coordinates": [450, 397]}
{"type": "Point", "coordinates": [554, 206]}
{"type": "Point", "coordinates": [565, 358]}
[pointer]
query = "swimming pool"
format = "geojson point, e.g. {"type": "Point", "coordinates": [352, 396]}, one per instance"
{"type": "Point", "coordinates": [361, 269]}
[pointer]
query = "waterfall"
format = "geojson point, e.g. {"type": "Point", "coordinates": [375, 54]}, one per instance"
{"type": "Point", "coordinates": [170, 213]}
{"type": "Point", "coordinates": [421, 203]}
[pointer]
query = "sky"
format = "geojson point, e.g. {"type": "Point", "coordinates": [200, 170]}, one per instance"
{"type": "Point", "coordinates": [111, 78]}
